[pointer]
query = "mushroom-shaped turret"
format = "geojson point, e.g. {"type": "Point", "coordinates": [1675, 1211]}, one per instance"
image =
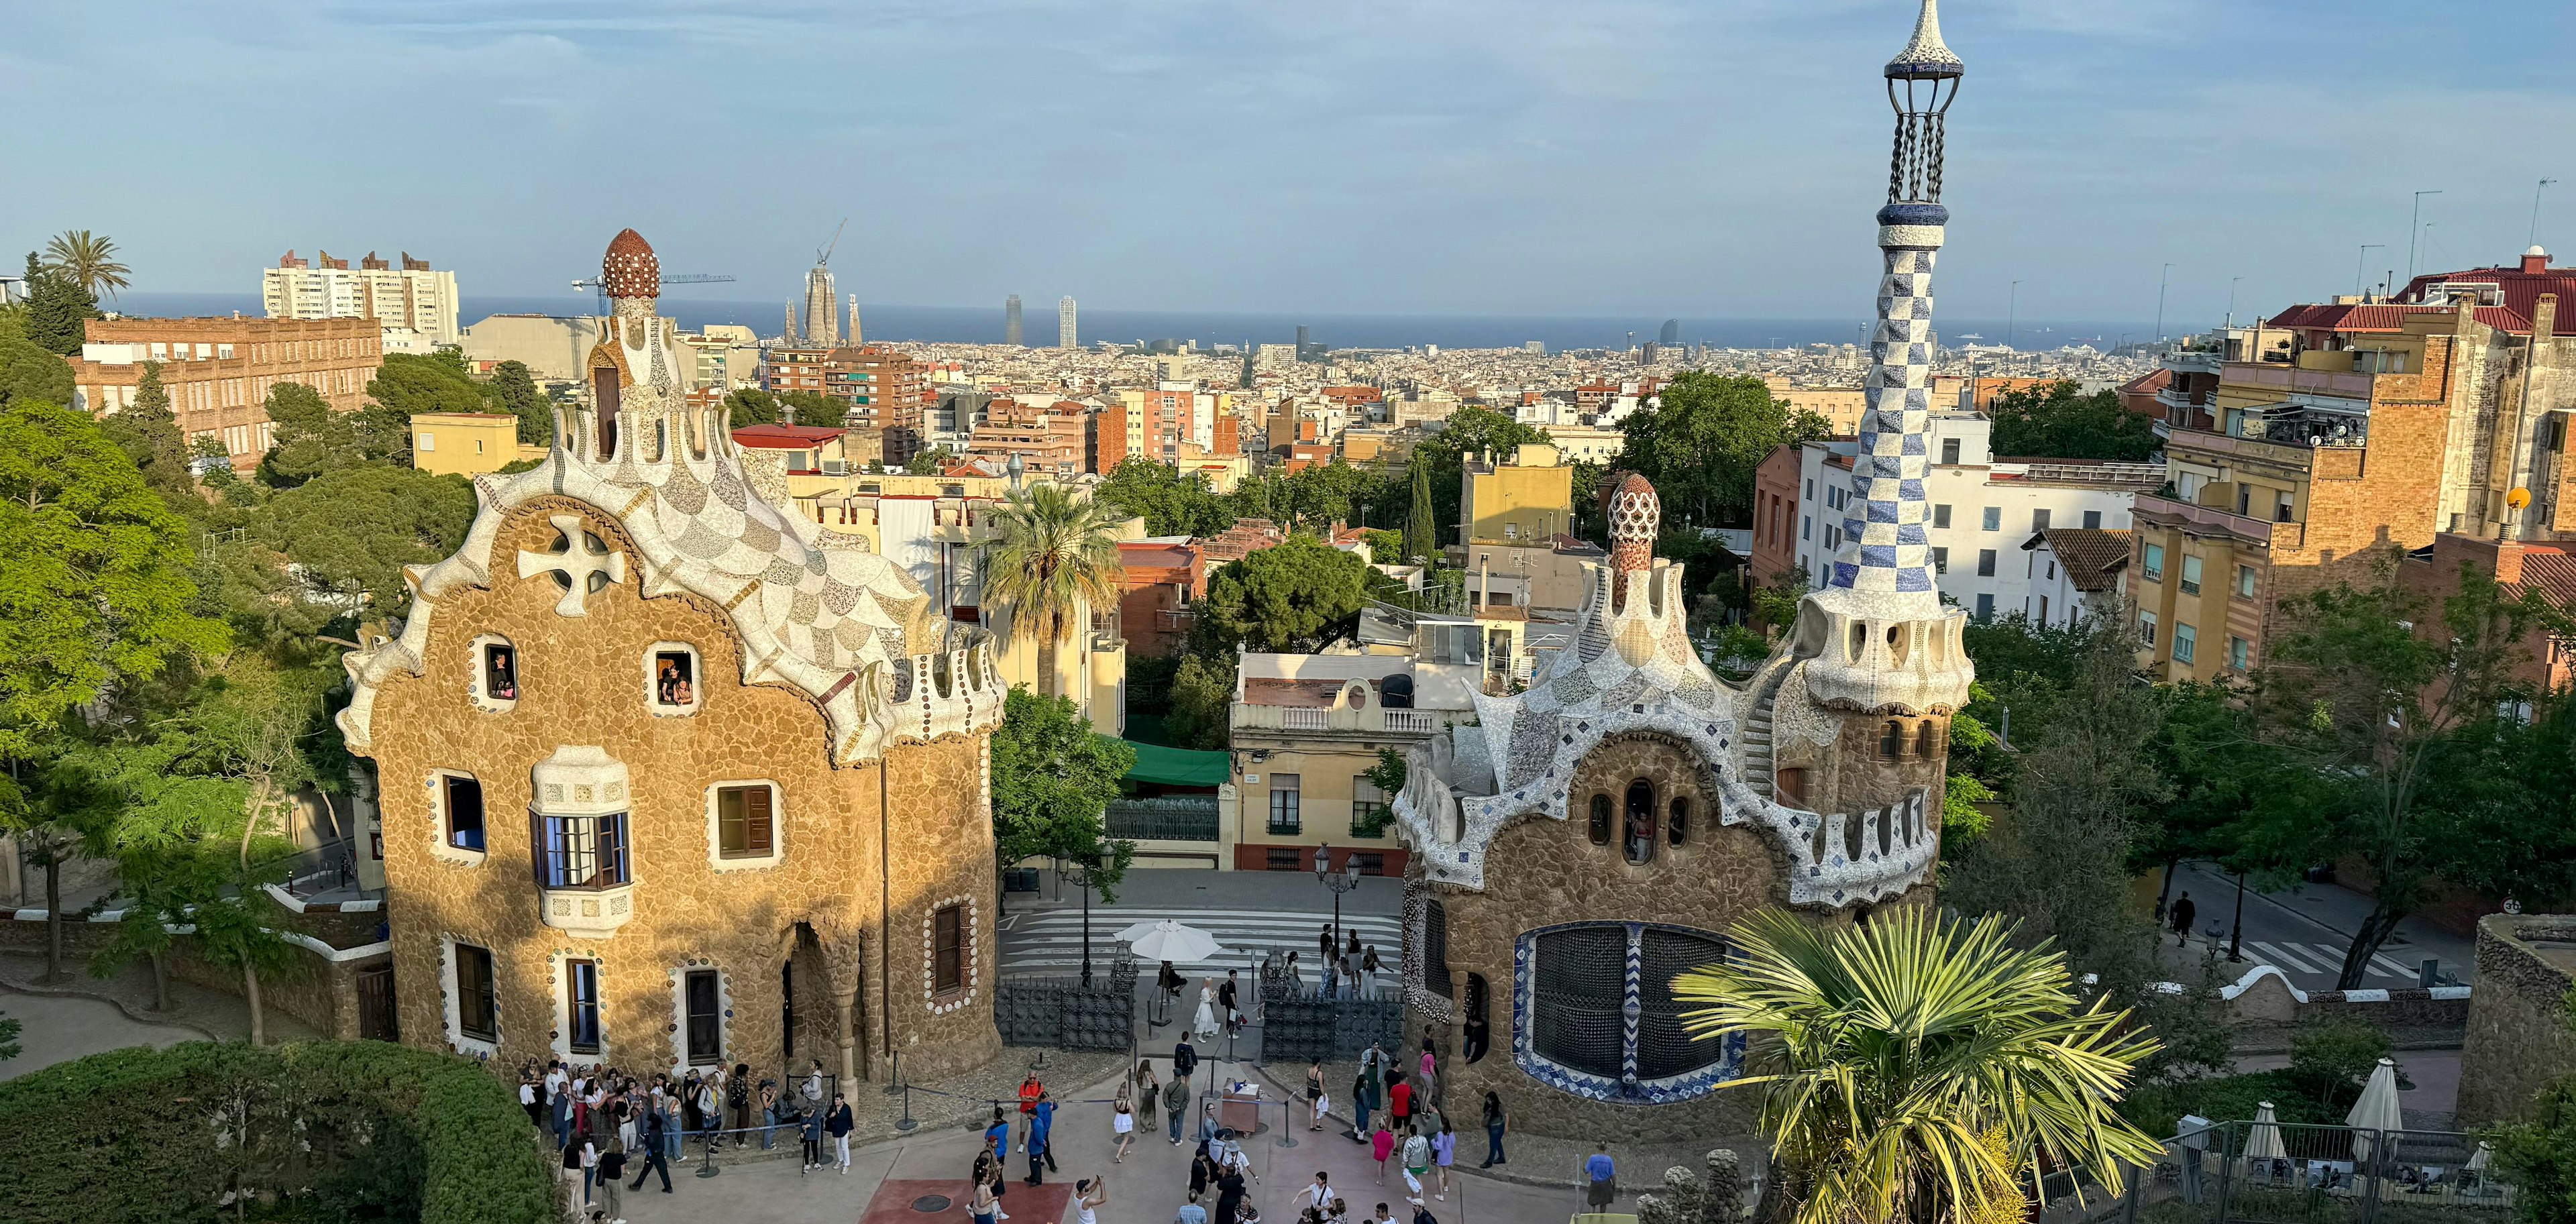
{"type": "Point", "coordinates": [630, 269]}
{"type": "Point", "coordinates": [1633, 512]}
{"type": "Point", "coordinates": [1926, 57]}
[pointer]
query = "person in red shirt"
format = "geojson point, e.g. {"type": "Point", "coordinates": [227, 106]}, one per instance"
{"type": "Point", "coordinates": [1030, 1091]}
{"type": "Point", "coordinates": [1399, 1101]}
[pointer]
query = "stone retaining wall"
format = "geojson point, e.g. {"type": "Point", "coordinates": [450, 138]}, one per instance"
{"type": "Point", "coordinates": [2520, 1039]}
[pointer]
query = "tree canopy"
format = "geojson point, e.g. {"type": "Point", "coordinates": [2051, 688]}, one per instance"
{"type": "Point", "coordinates": [307, 436]}
{"type": "Point", "coordinates": [148, 433]}
{"type": "Point", "coordinates": [1170, 503]}
{"type": "Point", "coordinates": [1279, 597]}
{"type": "Point", "coordinates": [1702, 441]}
{"type": "Point", "coordinates": [2057, 421]}
{"type": "Point", "coordinates": [351, 531]}
{"type": "Point", "coordinates": [513, 390]}
{"type": "Point", "coordinates": [1053, 780]}
{"type": "Point", "coordinates": [58, 310]}
{"type": "Point", "coordinates": [29, 372]}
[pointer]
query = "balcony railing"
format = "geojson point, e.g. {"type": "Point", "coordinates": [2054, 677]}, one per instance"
{"type": "Point", "coordinates": [1164, 818]}
{"type": "Point", "coordinates": [1374, 720]}
{"type": "Point", "coordinates": [2313, 427]}
{"type": "Point", "coordinates": [2118, 475]}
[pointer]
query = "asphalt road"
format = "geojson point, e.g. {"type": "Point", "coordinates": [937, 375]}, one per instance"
{"type": "Point", "coordinates": [2305, 932]}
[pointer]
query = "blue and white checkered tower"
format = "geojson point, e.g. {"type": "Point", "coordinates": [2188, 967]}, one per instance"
{"type": "Point", "coordinates": [1877, 634]}
{"type": "Point", "coordinates": [1885, 549]}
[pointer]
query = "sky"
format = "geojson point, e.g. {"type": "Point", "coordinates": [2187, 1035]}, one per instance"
{"type": "Point", "coordinates": [1688, 157]}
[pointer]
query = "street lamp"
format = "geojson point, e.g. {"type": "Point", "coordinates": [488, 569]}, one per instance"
{"type": "Point", "coordinates": [2366, 249]}
{"type": "Point", "coordinates": [1340, 882]}
{"type": "Point", "coordinates": [1082, 873]}
{"type": "Point", "coordinates": [2414, 226]}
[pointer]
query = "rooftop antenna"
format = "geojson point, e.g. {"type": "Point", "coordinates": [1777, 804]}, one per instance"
{"type": "Point", "coordinates": [2534, 239]}
{"type": "Point", "coordinates": [824, 256]}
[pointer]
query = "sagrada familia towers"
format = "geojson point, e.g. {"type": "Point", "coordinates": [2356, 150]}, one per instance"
{"type": "Point", "coordinates": [1591, 837]}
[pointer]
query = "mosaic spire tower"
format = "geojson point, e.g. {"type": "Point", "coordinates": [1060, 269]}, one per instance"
{"type": "Point", "coordinates": [1885, 550]}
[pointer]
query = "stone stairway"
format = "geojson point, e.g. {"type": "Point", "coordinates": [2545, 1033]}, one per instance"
{"type": "Point", "coordinates": [1757, 733]}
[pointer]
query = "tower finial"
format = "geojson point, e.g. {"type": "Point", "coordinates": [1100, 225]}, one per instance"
{"type": "Point", "coordinates": [1926, 57]}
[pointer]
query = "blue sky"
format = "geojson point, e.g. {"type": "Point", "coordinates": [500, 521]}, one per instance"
{"type": "Point", "coordinates": [1695, 157]}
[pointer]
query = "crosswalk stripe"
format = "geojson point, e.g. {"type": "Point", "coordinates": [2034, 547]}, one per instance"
{"type": "Point", "coordinates": [2282, 956]}
{"type": "Point", "coordinates": [2394, 969]}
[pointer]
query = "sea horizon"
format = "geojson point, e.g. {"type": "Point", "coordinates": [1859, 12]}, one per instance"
{"type": "Point", "coordinates": [984, 324]}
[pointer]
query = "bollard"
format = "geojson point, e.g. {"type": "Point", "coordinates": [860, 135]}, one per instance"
{"type": "Point", "coordinates": [905, 1123]}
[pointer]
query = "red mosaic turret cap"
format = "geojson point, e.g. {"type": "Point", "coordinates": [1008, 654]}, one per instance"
{"type": "Point", "coordinates": [630, 269]}
{"type": "Point", "coordinates": [1634, 512]}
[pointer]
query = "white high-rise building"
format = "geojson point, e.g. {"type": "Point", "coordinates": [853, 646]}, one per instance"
{"type": "Point", "coordinates": [413, 297]}
{"type": "Point", "coordinates": [1064, 329]}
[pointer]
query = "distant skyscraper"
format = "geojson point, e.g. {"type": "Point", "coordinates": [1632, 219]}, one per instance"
{"type": "Point", "coordinates": [1301, 342]}
{"type": "Point", "coordinates": [1011, 320]}
{"type": "Point", "coordinates": [822, 308]}
{"type": "Point", "coordinates": [1064, 329]}
{"type": "Point", "coordinates": [1672, 333]}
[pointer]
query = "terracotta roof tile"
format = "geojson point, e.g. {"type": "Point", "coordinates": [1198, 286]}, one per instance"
{"type": "Point", "coordinates": [2093, 557]}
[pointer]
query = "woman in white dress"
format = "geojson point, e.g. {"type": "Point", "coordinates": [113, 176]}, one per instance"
{"type": "Point", "coordinates": [1205, 1025]}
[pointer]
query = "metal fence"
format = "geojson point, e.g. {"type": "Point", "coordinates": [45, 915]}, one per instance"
{"type": "Point", "coordinates": [2288, 1173]}
{"type": "Point", "coordinates": [1304, 1026]}
{"type": "Point", "coordinates": [1065, 1014]}
{"type": "Point", "coordinates": [1164, 818]}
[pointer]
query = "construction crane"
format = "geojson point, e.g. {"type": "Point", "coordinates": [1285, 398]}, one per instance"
{"type": "Point", "coordinates": [685, 278]}
{"type": "Point", "coordinates": [823, 258]}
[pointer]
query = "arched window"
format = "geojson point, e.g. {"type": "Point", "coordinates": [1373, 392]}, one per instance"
{"type": "Point", "coordinates": [1601, 820]}
{"type": "Point", "coordinates": [603, 398]}
{"type": "Point", "coordinates": [1677, 826]}
{"type": "Point", "coordinates": [1924, 740]}
{"type": "Point", "coordinates": [1577, 987]}
{"type": "Point", "coordinates": [1891, 740]}
{"type": "Point", "coordinates": [1638, 834]}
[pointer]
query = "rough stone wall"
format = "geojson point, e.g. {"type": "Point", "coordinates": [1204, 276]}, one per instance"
{"type": "Point", "coordinates": [322, 995]}
{"type": "Point", "coordinates": [583, 681]}
{"type": "Point", "coordinates": [1849, 775]}
{"type": "Point", "coordinates": [1545, 872]}
{"type": "Point", "coordinates": [2519, 1039]}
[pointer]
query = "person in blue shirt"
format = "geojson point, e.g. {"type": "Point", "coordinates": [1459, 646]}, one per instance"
{"type": "Point", "coordinates": [999, 1132]}
{"type": "Point", "coordinates": [1041, 1146]}
{"type": "Point", "coordinates": [1191, 1212]}
{"type": "Point", "coordinates": [1602, 1176]}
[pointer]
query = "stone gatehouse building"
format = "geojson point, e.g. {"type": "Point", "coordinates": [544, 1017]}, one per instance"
{"type": "Point", "coordinates": [670, 778]}
{"type": "Point", "coordinates": [1587, 840]}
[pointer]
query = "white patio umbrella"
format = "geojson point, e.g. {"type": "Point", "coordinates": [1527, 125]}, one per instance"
{"type": "Point", "coordinates": [2263, 1142]}
{"type": "Point", "coordinates": [1169, 940]}
{"type": "Point", "coordinates": [2376, 1112]}
{"type": "Point", "coordinates": [2478, 1159]}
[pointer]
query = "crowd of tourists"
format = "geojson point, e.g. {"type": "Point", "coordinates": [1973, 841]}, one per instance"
{"type": "Point", "coordinates": [607, 1124]}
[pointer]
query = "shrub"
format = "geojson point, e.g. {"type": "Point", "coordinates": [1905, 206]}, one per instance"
{"type": "Point", "coordinates": [2154, 1108]}
{"type": "Point", "coordinates": [335, 1131]}
{"type": "Point", "coordinates": [2331, 1059]}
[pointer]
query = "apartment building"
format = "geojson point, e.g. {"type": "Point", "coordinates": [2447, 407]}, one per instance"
{"type": "Point", "coordinates": [2548, 662]}
{"type": "Point", "coordinates": [887, 391]}
{"type": "Point", "coordinates": [413, 297]}
{"type": "Point", "coordinates": [1160, 578]}
{"type": "Point", "coordinates": [1983, 508]}
{"type": "Point", "coordinates": [1840, 406]}
{"type": "Point", "coordinates": [1528, 498]}
{"type": "Point", "coordinates": [789, 367]}
{"type": "Point", "coordinates": [218, 371]}
{"type": "Point", "coordinates": [721, 359]}
{"type": "Point", "coordinates": [2377, 427]}
{"type": "Point", "coordinates": [1048, 439]}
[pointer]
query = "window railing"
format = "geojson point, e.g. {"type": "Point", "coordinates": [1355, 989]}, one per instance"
{"type": "Point", "coordinates": [1164, 818]}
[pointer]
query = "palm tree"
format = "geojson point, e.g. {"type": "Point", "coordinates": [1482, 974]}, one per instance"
{"type": "Point", "coordinates": [1049, 555]}
{"type": "Point", "coordinates": [1913, 1066]}
{"type": "Point", "coordinates": [87, 260]}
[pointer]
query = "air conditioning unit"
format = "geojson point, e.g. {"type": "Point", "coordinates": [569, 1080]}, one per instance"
{"type": "Point", "coordinates": [836, 467]}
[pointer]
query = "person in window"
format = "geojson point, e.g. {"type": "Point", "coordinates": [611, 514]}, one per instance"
{"type": "Point", "coordinates": [1640, 834]}
{"type": "Point", "coordinates": [666, 683]}
{"type": "Point", "coordinates": [505, 678]}
{"type": "Point", "coordinates": [680, 693]}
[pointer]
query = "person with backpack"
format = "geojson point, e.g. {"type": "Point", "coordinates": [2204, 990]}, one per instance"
{"type": "Point", "coordinates": [711, 1107]}
{"type": "Point", "coordinates": [812, 1132]}
{"type": "Point", "coordinates": [612, 1183]}
{"type": "Point", "coordinates": [738, 1099]}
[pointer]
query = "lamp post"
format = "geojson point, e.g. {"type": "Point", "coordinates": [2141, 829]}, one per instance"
{"type": "Point", "coordinates": [1340, 882]}
{"type": "Point", "coordinates": [2534, 238]}
{"type": "Point", "coordinates": [2414, 228]}
{"type": "Point", "coordinates": [2236, 938]}
{"type": "Point", "coordinates": [2366, 249]}
{"type": "Point", "coordinates": [1081, 873]}
{"type": "Point", "coordinates": [2012, 312]}
{"type": "Point", "coordinates": [2162, 278]}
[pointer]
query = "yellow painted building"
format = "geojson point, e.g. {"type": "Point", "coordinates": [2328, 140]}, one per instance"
{"type": "Point", "coordinates": [465, 443]}
{"type": "Point", "coordinates": [1529, 498]}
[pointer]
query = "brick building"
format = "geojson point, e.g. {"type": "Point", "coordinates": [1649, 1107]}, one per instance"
{"type": "Point", "coordinates": [785, 368]}
{"type": "Point", "coordinates": [887, 391]}
{"type": "Point", "coordinates": [2548, 662]}
{"type": "Point", "coordinates": [219, 370]}
{"type": "Point", "coordinates": [1159, 580]}
{"type": "Point", "coordinates": [1048, 438]}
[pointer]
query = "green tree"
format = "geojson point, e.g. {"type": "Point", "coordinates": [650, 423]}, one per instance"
{"type": "Point", "coordinates": [515, 392]}
{"type": "Point", "coordinates": [58, 310]}
{"type": "Point", "coordinates": [1170, 502]}
{"type": "Point", "coordinates": [1199, 714]}
{"type": "Point", "coordinates": [1278, 598]}
{"type": "Point", "coordinates": [749, 406]}
{"type": "Point", "coordinates": [29, 372]}
{"type": "Point", "coordinates": [87, 260]}
{"type": "Point", "coordinates": [148, 433]}
{"type": "Point", "coordinates": [1439, 463]}
{"type": "Point", "coordinates": [1702, 441]}
{"type": "Point", "coordinates": [815, 410]}
{"type": "Point", "coordinates": [2394, 727]}
{"type": "Point", "coordinates": [930, 462]}
{"type": "Point", "coordinates": [1051, 557]}
{"type": "Point", "coordinates": [307, 437]}
{"type": "Point", "coordinates": [1053, 780]}
{"type": "Point", "coordinates": [348, 534]}
{"type": "Point", "coordinates": [2057, 421]}
{"type": "Point", "coordinates": [1887, 1053]}
{"type": "Point", "coordinates": [406, 385]}
{"type": "Point", "coordinates": [96, 591]}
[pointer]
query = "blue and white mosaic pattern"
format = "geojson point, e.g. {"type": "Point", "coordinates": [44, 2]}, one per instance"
{"type": "Point", "coordinates": [1728, 1050]}
{"type": "Point", "coordinates": [1885, 547]}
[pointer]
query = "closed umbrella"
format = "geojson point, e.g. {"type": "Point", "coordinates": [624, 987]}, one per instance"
{"type": "Point", "coordinates": [1169, 940]}
{"type": "Point", "coordinates": [2263, 1142]}
{"type": "Point", "coordinates": [2478, 1159]}
{"type": "Point", "coordinates": [2375, 1115]}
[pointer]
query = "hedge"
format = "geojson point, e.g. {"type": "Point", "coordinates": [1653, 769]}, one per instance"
{"type": "Point", "coordinates": [325, 1131]}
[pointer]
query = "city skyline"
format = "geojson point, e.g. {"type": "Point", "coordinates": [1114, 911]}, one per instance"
{"type": "Point", "coordinates": [1743, 127]}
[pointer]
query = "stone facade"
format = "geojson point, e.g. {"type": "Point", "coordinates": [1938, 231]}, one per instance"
{"type": "Point", "coordinates": [2520, 1039]}
{"type": "Point", "coordinates": [815, 678]}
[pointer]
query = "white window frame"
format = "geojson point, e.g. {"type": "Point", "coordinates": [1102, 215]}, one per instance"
{"type": "Point", "coordinates": [971, 924]}
{"type": "Point", "coordinates": [482, 698]}
{"type": "Point", "coordinates": [439, 846]}
{"type": "Point", "coordinates": [697, 681]}
{"type": "Point", "coordinates": [559, 979]}
{"type": "Point", "coordinates": [452, 1001]}
{"type": "Point", "coordinates": [679, 978]}
{"type": "Point", "coordinates": [777, 828]}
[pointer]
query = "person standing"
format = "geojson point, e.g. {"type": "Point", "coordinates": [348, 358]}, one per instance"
{"type": "Point", "coordinates": [1493, 1130]}
{"type": "Point", "coordinates": [1088, 1195]}
{"type": "Point", "coordinates": [1225, 997]}
{"type": "Point", "coordinates": [984, 1208]}
{"type": "Point", "coordinates": [1399, 1100]}
{"type": "Point", "coordinates": [654, 1159]}
{"type": "Point", "coordinates": [1600, 1179]}
{"type": "Point", "coordinates": [1370, 967]}
{"type": "Point", "coordinates": [711, 1106]}
{"type": "Point", "coordinates": [2181, 913]}
{"type": "Point", "coordinates": [1229, 1194]}
{"type": "Point", "coordinates": [738, 1099]}
{"type": "Point", "coordinates": [840, 1125]}
{"type": "Point", "coordinates": [1363, 1103]}
{"type": "Point", "coordinates": [579, 1161]}
{"type": "Point", "coordinates": [1317, 1194]}
{"type": "Point", "coordinates": [1381, 1146]}
{"type": "Point", "coordinates": [1191, 1212]}
{"type": "Point", "coordinates": [1122, 1123]}
{"type": "Point", "coordinates": [1149, 1095]}
{"type": "Point", "coordinates": [1042, 1130]}
{"type": "Point", "coordinates": [528, 1098]}
{"type": "Point", "coordinates": [811, 1131]}
{"type": "Point", "coordinates": [1325, 945]}
{"type": "Point", "coordinates": [1321, 1108]}
{"type": "Point", "coordinates": [1444, 1151]}
{"type": "Point", "coordinates": [984, 1162]}
{"type": "Point", "coordinates": [1203, 1025]}
{"type": "Point", "coordinates": [612, 1183]}
{"type": "Point", "coordinates": [1176, 1102]}
{"type": "Point", "coordinates": [813, 1089]}
{"type": "Point", "coordinates": [768, 1114]}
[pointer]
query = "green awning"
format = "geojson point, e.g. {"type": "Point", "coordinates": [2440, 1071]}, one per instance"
{"type": "Point", "coordinates": [1179, 766]}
